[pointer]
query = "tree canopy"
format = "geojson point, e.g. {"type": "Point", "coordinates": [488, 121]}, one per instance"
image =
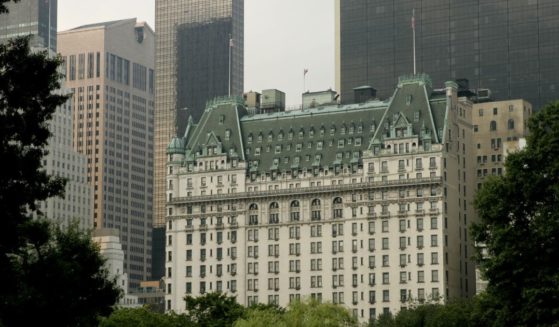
{"type": "Point", "coordinates": [309, 313]}
{"type": "Point", "coordinates": [143, 317]}
{"type": "Point", "coordinates": [214, 310]}
{"type": "Point", "coordinates": [46, 272]}
{"type": "Point", "coordinates": [519, 228]}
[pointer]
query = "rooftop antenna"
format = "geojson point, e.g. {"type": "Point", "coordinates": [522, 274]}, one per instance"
{"type": "Point", "coordinates": [48, 34]}
{"type": "Point", "coordinates": [413, 30]}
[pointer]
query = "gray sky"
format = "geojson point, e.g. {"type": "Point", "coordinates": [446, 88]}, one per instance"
{"type": "Point", "coordinates": [282, 37]}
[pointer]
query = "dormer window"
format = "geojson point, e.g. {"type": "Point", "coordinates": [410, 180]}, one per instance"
{"type": "Point", "coordinates": [227, 134]}
{"type": "Point", "coordinates": [260, 137]}
{"type": "Point", "coordinates": [249, 138]}
{"type": "Point", "coordinates": [301, 133]}
{"type": "Point", "coordinates": [408, 100]}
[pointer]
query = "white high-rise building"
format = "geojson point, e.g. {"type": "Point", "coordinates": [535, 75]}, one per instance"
{"type": "Point", "coordinates": [110, 248]}
{"type": "Point", "coordinates": [366, 205]}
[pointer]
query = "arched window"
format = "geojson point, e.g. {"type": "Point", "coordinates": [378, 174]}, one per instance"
{"type": "Point", "coordinates": [253, 214]}
{"type": "Point", "coordinates": [294, 211]}
{"type": "Point", "coordinates": [315, 210]}
{"type": "Point", "coordinates": [337, 208]}
{"type": "Point", "coordinates": [511, 124]}
{"type": "Point", "coordinates": [493, 126]}
{"type": "Point", "coordinates": [274, 213]}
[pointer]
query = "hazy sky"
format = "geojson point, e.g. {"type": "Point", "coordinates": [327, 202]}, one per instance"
{"type": "Point", "coordinates": [282, 37]}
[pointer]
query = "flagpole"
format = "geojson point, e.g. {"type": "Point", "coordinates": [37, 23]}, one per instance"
{"type": "Point", "coordinates": [230, 46]}
{"type": "Point", "coordinates": [413, 29]}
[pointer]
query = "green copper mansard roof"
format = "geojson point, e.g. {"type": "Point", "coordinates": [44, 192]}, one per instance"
{"type": "Point", "coordinates": [328, 136]}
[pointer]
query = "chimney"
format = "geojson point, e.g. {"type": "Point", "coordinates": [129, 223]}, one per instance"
{"type": "Point", "coordinates": [364, 93]}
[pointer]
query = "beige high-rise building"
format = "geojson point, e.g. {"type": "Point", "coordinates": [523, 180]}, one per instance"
{"type": "Point", "coordinates": [499, 128]}
{"type": "Point", "coordinates": [110, 70]}
{"type": "Point", "coordinates": [367, 205]}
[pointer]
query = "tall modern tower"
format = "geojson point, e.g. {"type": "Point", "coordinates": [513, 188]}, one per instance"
{"type": "Point", "coordinates": [199, 55]}
{"type": "Point", "coordinates": [31, 17]}
{"type": "Point", "coordinates": [509, 47]}
{"type": "Point", "coordinates": [110, 71]}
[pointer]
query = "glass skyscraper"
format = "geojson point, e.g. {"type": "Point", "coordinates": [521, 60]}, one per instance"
{"type": "Point", "coordinates": [508, 46]}
{"type": "Point", "coordinates": [199, 55]}
{"type": "Point", "coordinates": [31, 17]}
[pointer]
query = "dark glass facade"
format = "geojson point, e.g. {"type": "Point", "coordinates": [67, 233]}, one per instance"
{"type": "Point", "coordinates": [508, 46]}
{"type": "Point", "coordinates": [192, 67]}
{"type": "Point", "coordinates": [31, 17]}
{"type": "Point", "coordinates": [202, 66]}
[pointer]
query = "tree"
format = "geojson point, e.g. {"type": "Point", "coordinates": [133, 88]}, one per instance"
{"type": "Point", "coordinates": [143, 317]}
{"type": "Point", "coordinates": [309, 313]}
{"type": "Point", "coordinates": [519, 227]}
{"type": "Point", "coordinates": [45, 272]}
{"type": "Point", "coordinates": [60, 279]}
{"type": "Point", "coordinates": [214, 310]}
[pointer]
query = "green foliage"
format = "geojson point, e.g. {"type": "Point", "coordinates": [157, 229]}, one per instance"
{"type": "Point", "coordinates": [258, 316]}
{"type": "Point", "coordinates": [59, 279]}
{"type": "Point", "coordinates": [214, 310]}
{"type": "Point", "coordinates": [27, 102]}
{"type": "Point", "coordinates": [519, 225]}
{"type": "Point", "coordinates": [142, 317]}
{"type": "Point", "coordinates": [45, 272]}
{"type": "Point", "coordinates": [299, 314]}
{"type": "Point", "coordinates": [459, 313]}
{"type": "Point", "coordinates": [383, 320]}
